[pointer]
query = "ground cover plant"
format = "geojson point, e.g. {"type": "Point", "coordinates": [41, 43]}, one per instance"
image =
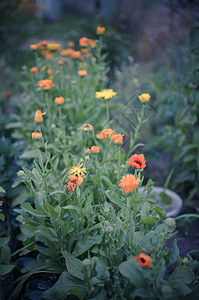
{"type": "Point", "coordinates": [83, 216]}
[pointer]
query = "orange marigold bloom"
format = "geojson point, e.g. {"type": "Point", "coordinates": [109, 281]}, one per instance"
{"type": "Point", "coordinates": [144, 260]}
{"type": "Point", "coordinates": [43, 44]}
{"type": "Point", "coordinates": [106, 133]}
{"type": "Point", "coordinates": [8, 95]}
{"type": "Point", "coordinates": [53, 46]}
{"type": "Point", "coordinates": [71, 44]}
{"type": "Point", "coordinates": [49, 56]}
{"type": "Point", "coordinates": [48, 72]}
{"type": "Point", "coordinates": [129, 183]}
{"type": "Point", "coordinates": [82, 73]}
{"type": "Point", "coordinates": [46, 84]}
{"type": "Point", "coordinates": [67, 52]}
{"type": "Point", "coordinates": [100, 30]}
{"type": "Point", "coordinates": [33, 70]}
{"type": "Point", "coordinates": [84, 50]}
{"type": "Point", "coordinates": [38, 116]}
{"type": "Point", "coordinates": [76, 54]}
{"type": "Point", "coordinates": [83, 41]}
{"type": "Point", "coordinates": [33, 47]}
{"type": "Point", "coordinates": [36, 136]}
{"type": "Point", "coordinates": [59, 100]}
{"type": "Point", "coordinates": [92, 43]}
{"type": "Point", "coordinates": [95, 149]}
{"type": "Point", "coordinates": [137, 161]}
{"type": "Point", "coordinates": [118, 138]}
{"type": "Point", "coordinates": [72, 183]}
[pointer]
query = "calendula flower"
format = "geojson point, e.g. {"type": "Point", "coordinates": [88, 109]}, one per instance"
{"type": "Point", "coordinates": [60, 62]}
{"type": "Point", "coordinates": [78, 170]}
{"type": "Point", "coordinates": [67, 52]}
{"type": "Point", "coordinates": [8, 95]}
{"type": "Point", "coordinates": [72, 183]}
{"type": "Point", "coordinates": [71, 44]}
{"type": "Point", "coordinates": [33, 47]}
{"type": "Point", "coordinates": [106, 94]}
{"type": "Point", "coordinates": [87, 128]}
{"type": "Point", "coordinates": [106, 133]}
{"type": "Point", "coordinates": [46, 84]}
{"type": "Point", "coordinates": [38, 116]}
{"type": "Point", "coordinates": [137, 161]}
{"type": "Point", "coordinates": [33, 70]}
{"type": "Point", "coordinates": [92, 43]}
{"type": "Point", "coordinates": [36, 136]}
{"type": "Point", "coordinates": [129, 183]}
{"type": "Point", "coordinates": [76, 54]}
{"type": "Point", "coordinates": [43, 44]}
{"type": "Point", "coordinates": [82, 64]}
{"type": "Point", "coordinates": [87, 150]}
{"type": "Point", "coordinates": [144, 97]}
{"type": "Point", "coordinates": [83, 41]}
{"type": "Point", "coordinates": [59, 100]}
{"type": "Point", "coordinates": [144, 260]}
{"type": "Point", "coordinates": [48, 72]}
{"type": "Point", "coordinates": [82, 73]}
{"type": "Point", "coordinates": [49, 56]}
{"type": "Point", "coordinates": [84, 50]}
{"type": "Point", "coordinates": [100, 30]}
{"type": "Point", "coordinates": [95, 149]}
{"type": "Point", "coordinates": [53, 46]}
{"type": "Point", "coordinates": [118, 138]}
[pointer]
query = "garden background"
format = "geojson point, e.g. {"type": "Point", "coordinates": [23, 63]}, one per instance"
{"type": "Point", "coordinates": [148, 47]}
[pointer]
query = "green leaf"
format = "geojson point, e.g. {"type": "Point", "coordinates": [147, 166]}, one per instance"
{"type": "Point", "coordinates": [50, 210]}
{"type": "Point", "coordinates": [86, 243]}
{"type": "Point", "coordinates": [130, 269]}
{"type": "Point", "coordinates": [26, 207]}
{"type": "Point", "coordinates": [74, 265]}
{"type": "Point", "coordinates": [29, 154]}
{"type": "Point", "coordinates": [72, 207]}
{"type": "Point", "coordinates": [183, 274]}
{"type": "Point", "coordinates": [14, 125]}
{"type": "Point", "coordinates": [160, 211]}
{"type": "Point", "coordinates": [2, 217]}
{"type": "Point", "coordinates": [2, 190]}
{"type": "Point", "coordinates": [4, 269]}
{"type": "Point", "coordinates": [113, 197]}
{"type": "Point", "coordinates": [65, 285]}
{"type": "Point", "coordinates": [28, 229]}
{"type": "Point", "coordinates": [4, 241]}
{"type": "Point", "coordinates": [149, 220]}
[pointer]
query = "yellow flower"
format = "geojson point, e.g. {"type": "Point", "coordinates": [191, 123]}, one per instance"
{"type": "Point", "coordinates": [106, 94]}
{"type": "Point", "coordinates": [38, 116]}
{"type": "Point", "coordinates": [53, 46]}
{"type": "Point", "coordinates": [78, 170]}
{"type": "Point", "coordinates": [144, 97]}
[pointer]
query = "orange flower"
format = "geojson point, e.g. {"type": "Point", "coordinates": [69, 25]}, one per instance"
{"type": "Point", "coordinates": [67, 76]}
{"type": "Point", "coordinates": [106, 133]}
{"type": "Point", "coordinates": [8, 95]}
{"type": "Point", "coordinates": [83, 41]}
{"type": "Point", "coordinates": [84, 50]}
{"type": "Point", "coordinates": [46, 84]}
{"type": "Point", "coordinates": [33, 70]}
{"type": "Point", "coordinates": [54, 46]}
{"type": "Point", "coordinates": [100, 30]}
{"type": "Point", "coordinates": [118, 138]}
{"type": "Point", "coordinates": [95, 149]}
{"type": "Point", "coordinates": [43, 44]}
{"type": "Point", "coordinates": [144, 260]}
{"type": "Point", "coordinates": [82, 73]}
{"type": "Point", "coordinates": [59, 100]}
{"type": "Point", "coordinates": [87, 150]}
{"type": "Point", "coordinates": [67, 52]}
{"type": "Point", "coordinates": [33, 47]}
{"type": "Point", "coordinates": [36, 136]}
{"type": "Point", "coordinates": [48, 72]}
{"type": "Point", "coordinates": [76, 54]}
{"type": "Point", "coordinates": [71, 44]}
{"type": "Point", "coordinates": [38, 116]}
{"type": "Point", "coordinates": [129, 183]}
{"type": "Point", "coordinates": [137, 161]}
{"type": "Point", "coordinates": [60, 62]}
{"type": "Point", "coordinates": [72, 183]}
{"type": "Point", "coordinates": [92, 43]}
{"type": "Point", "coordinates": [49, 56]}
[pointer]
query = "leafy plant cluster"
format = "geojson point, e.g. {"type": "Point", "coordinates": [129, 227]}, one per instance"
{"type": "Point", "coordinates": [83, 216]}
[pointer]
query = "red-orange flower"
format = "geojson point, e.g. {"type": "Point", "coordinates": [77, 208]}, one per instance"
{"type": "Point", "coordinates": [46, 84]}
{"type": "Point", "coordinates": [67, 52]}
{"type": "Point", "coordinates": [71, 44]}
{"type": "Point", "coordinates": [49, 56]}
{"type": "Point", "coordinates": [105, 133]}
{"type": "Point", "coordinates": [59, 100]}
{"type": "Point", "coordinates": [36, 136]}
{"type": "Point", "coordinates": [92, 43]}
{"type": "Point", "coordinates": [95, 149]}
{"type": "Point", "coordinates": [72, 183]}
{"type": "Point", "coordinates": [33, 47]}
{"type": "Point", "coordinates": [38, 116]}
{"type": "Point", "coordinates": [144, 260]}
{"type": "Point", "coordinates": [137, 161]}
{"type": "Point", "coordinates": [83, 41]}
{"type": "Point", "coordinates": [82, 73]}
{"type": "Point", "coordinates": [48, 72]}
{"type": "Point", "coordinates": [33, 70]}
{"type": "Point", "coordinates": [76, 54]}
{"type": "Point", "coordinates": [129, 183]}
{"type": "Point", "coordinates": [118, 138]}
{"type": "Point", "coordinates": [8, 95]}
{"type": "Point", "coordinates": [100, 30]}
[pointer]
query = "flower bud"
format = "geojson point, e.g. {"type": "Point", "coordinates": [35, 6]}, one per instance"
{"type": "Point", "coordinates": [53, 126]}
{"type": "Point", "coordinates": [86, 262]}
{"type": "Point", "coordinates": [20, 173]}
{"type": "Point", "coordinates": [170, 222]}
{"type": "Point", "coordinates": [166, 289]}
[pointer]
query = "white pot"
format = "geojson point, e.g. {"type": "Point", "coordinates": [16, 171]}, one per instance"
{"type": "Point", "coordinates": [176, 201]}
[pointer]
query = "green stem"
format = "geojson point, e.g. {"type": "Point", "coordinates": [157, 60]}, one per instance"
{"type": "Point", "coordinates": [119, 162]}
{"type": "Point", "coordinates": [60, 117]}
{"type": "Point", "coordinates": [127, 220]}
{"type": "Point", "coordinates": [107, 112]}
